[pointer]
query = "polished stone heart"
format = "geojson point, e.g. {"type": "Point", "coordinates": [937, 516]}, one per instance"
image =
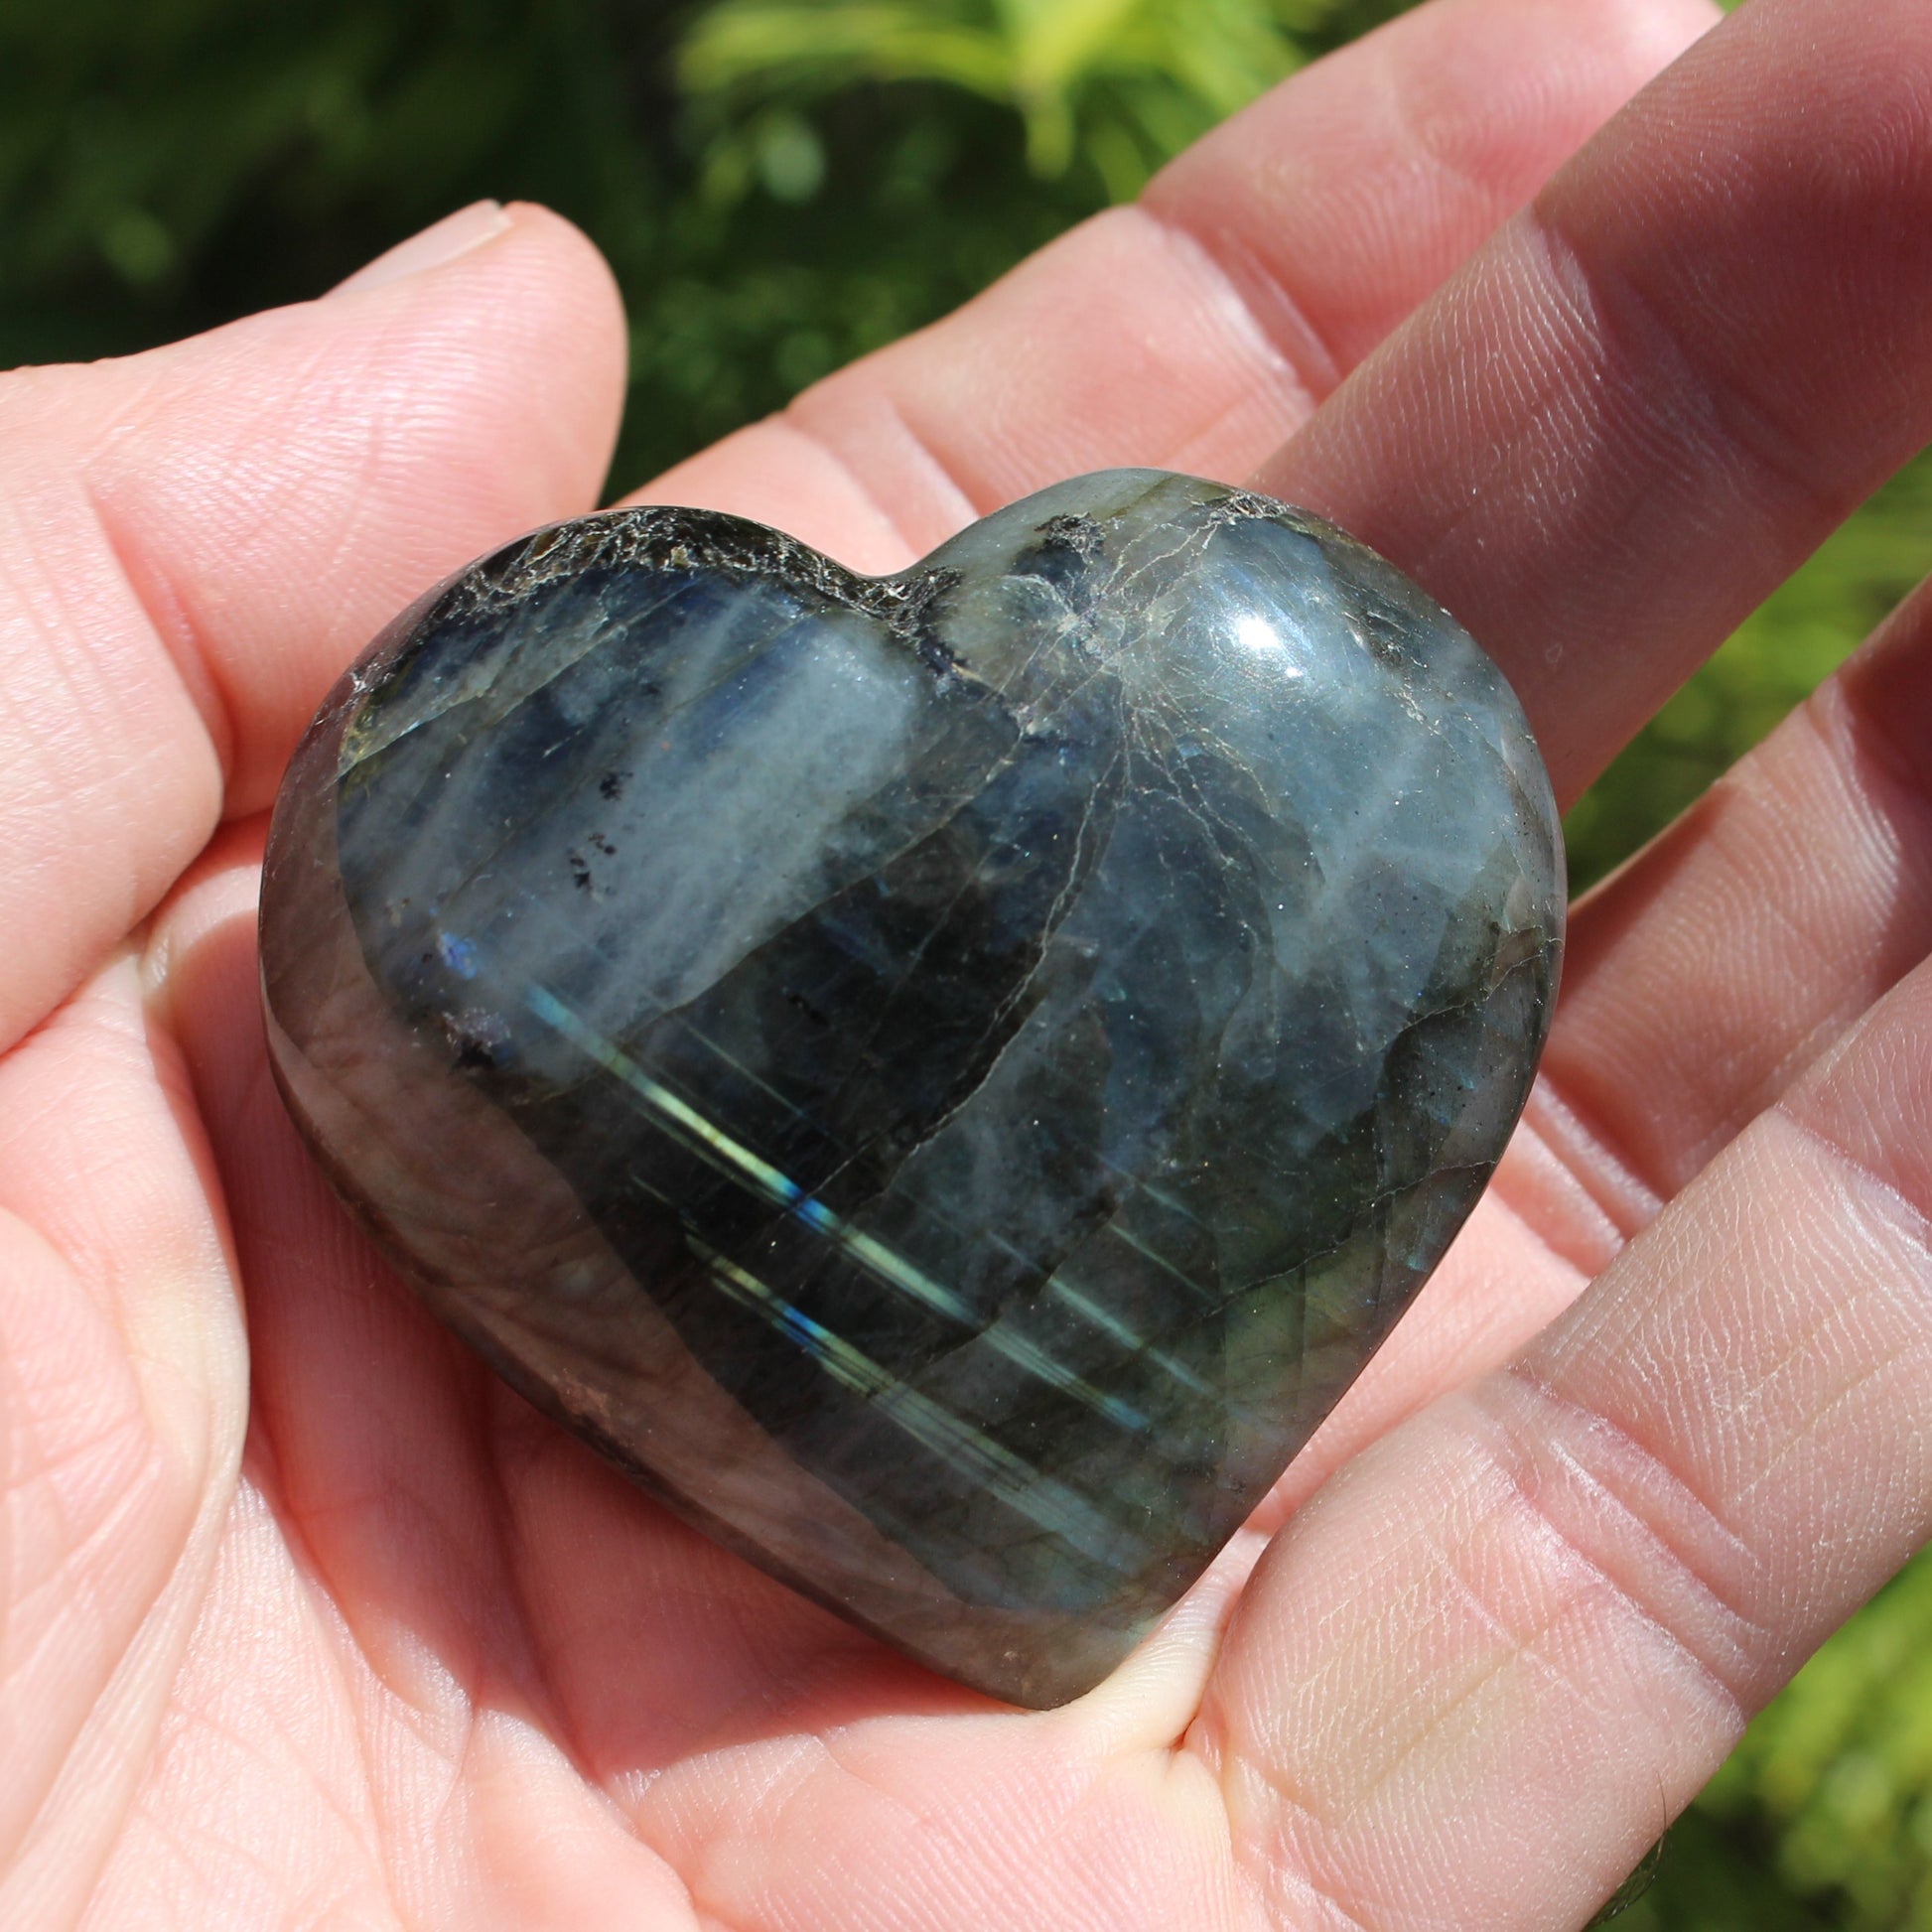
{"type": "Point", "coordinates": [943, 1078]}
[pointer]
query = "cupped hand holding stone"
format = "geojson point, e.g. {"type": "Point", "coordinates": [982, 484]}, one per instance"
{"type": "Point", "coordinates": [304, 1617]}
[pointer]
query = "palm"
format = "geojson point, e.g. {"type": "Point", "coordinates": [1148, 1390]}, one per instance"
{"type": "Point", "coordinates": [347, 1635]}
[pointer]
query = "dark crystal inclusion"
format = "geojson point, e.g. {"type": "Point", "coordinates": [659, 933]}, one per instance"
{"type": "Point", "coordinates": [944, 1077]}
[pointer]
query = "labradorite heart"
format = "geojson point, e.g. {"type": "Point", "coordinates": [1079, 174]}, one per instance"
{"type": "Point", "coordinates": [944, 1077]}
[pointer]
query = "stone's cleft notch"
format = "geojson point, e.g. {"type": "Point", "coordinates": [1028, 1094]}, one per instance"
{"type": "Point", "coordinates": [945, 1078]}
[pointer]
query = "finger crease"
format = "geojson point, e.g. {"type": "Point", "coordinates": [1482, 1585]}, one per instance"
{"type": "Point", "coordinates": [1906, 1217]}
{"type": "Point", "coordinates": [1258, 301]}
{"type": "Point", "coordinates": [1854, 725]}
{"type": "Point", "coordinates": [1615, 1467]}
{"type": "Point", "coordinates": [165, 614]}
{"type": "Point", "coordinates": [946, 485]}
{"type": "Point", "coordinates": [1623, 1196]}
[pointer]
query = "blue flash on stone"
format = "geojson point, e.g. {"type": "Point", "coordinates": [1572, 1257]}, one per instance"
{"type": "Point", "coordinates": [874, 1256]}
{"type": "Point", "coordinates": [945, 1078]}
{"type": "Point", "coordinates": [458, 954]}
{"type": "Point", "coordinates": [1051, 1505]}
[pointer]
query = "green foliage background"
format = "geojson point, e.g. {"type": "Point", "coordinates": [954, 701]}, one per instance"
{"type": "Point", "coordinates": [784, 184]}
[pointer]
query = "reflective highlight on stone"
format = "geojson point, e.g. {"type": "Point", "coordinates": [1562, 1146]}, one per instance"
{"type": "Point", "coordinates": [948, 1078]}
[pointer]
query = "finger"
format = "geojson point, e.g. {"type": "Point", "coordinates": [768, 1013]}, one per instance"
{"type": "Point", "coordinates": [1656, 390]}
{"type": "Point", "coordinates": [1197, 328]}
{"type": "Point", "coordinates": [123, 1395]}
{"type": "Point", "coordinates": [1699, 983]}
{"type": "Point", "coordinates": [1741, 945]}
{"type": "Point", "coordinates": [1476, 1676]}
{"type": "Point", "coordinates": [200, 538]}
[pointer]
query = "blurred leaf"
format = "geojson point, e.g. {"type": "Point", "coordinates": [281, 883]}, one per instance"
{"type": "Point", "coordinates": [765, 45]}
{"type": "Point", "coordinates": [791, 161]}
{"type": "Point", "coordinates": [1134, 76]}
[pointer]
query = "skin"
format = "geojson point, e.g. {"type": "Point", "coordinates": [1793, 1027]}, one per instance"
{"type": "Point", "coordinates": [306, 1622]}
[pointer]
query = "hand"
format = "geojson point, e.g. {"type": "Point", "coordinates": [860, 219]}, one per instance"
{"type": "Point", "coordinates": [305, 1619]}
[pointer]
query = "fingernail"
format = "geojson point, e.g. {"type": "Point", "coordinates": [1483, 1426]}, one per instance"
{"type": "Point", "coordinates": [456, 234]}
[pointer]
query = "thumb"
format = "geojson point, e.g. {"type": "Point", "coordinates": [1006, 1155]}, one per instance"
{"type": "Point", "coordinates": [193, 542]}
